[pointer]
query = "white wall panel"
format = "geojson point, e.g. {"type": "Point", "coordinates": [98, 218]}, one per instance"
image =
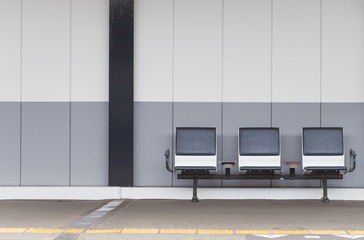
{"type": "Point", "coordinates": [247, 51]}
{"type": "Point", "coordinates": [198, 51]}
{"type": "Point", "coordinates": [296, 51]}
{"type": "Point", "coordinates": [10, 50]}
{"type": "Point", "coordinates": [343, 51]}
{"type": "Point", "coordinates": [90, 50]}
{"type": "Point", "coordinates": [46, 50]}
{"type": "Point", "coordinates": [153, 50]}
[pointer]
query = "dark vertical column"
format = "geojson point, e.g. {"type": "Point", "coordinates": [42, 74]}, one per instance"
{"type": "Point", "coordinates": [121, 92]}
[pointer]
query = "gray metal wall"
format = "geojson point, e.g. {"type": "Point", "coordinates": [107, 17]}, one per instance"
{"type": "Point", "coordinates": [243, 63]}
{"type": "Point", "coordinates": [54, 144]}
{"type": "Point", "coordinates": [154, 134]}
{"type": "Point", "coordinates": [54, 92]}
{"type": "Point", "coordinates": [229, 64]}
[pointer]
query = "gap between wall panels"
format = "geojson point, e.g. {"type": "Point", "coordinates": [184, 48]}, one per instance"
{"type": "Point", "coordinates": [320, 63]}
{"type": "Point", "coordinates": [222, 86]}
{"type": "Point", "coordinates": [21, 89]}
{"type": "Point", "coordinates": [173, 133]}
{"type": "Point", "coordinates": [70, 103]}
{"type": "Point", "coordinates": [271, 64]}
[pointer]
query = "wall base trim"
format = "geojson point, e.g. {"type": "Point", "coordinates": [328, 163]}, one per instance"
{"type": "Point", "coordinates": [98, 193]}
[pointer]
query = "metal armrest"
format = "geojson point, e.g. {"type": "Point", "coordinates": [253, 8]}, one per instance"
{"type": "Point", "coordinates": [166, 154]}
{"type": "Point", "coordinates": [352, 160]}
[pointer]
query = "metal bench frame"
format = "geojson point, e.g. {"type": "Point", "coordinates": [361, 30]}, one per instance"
{"type": "Point", "coordinates": [323, 174]}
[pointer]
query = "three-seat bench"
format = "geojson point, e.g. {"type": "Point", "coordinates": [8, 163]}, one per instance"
{"type": "Point", "coordinates": [259, 155]}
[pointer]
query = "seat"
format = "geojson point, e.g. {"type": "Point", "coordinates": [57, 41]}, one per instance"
{"type": "Point", "coordinates": [323, 150]}
{"type": "Point", "coordinates": [195, 149]}
{"type": "Point", "coordinates": [259, 150]}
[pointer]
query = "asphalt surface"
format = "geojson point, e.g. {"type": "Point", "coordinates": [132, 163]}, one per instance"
{"type": "Point", "coordinates": [207, 219]}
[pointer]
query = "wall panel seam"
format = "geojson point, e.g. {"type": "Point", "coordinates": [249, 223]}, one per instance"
{"type": "Point", "coordinates": [173, 51]}
{"type": "Point", "coordinates": [70, 104]}
{"type": "Point", "coordinates": [271, 63]}
{"type": "Point", "coordinates": [271, 71]}
{"type": "Point", "coordinates": [21, 90]}
{"type": "Point", "coordinates": [222, 85]}
{"type": "Point", "coordinates": [320, 63]}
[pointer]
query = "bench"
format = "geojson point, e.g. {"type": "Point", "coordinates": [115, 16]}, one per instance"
{"type": "Point", "coordinates": [259, 156]}
{"type": "Point", "coordinates": [323, 154]}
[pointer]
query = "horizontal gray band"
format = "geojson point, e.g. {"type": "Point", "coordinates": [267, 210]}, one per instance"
{"type": "Point", "coordinates": [158, 121]}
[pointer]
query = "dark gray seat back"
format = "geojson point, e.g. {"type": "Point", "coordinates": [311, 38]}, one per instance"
{"type": "Point", "coordinates": [195, 141]}
{"type": "Point", "coordinates": [323, 141]}
{"type": "Point", "coordinates": [259, 141]}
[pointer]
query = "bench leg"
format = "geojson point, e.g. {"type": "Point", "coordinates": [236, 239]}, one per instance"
{"type": "Point", "coordinates": [324, 185]}
{"type": "Point", "coordinates": [194, 197]}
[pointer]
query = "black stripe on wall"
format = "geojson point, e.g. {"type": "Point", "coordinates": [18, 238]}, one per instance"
{"type": "Point", "coordinates": [121, 40]}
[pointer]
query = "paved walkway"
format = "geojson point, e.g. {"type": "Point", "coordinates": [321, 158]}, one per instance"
{"type": "Point", "coordinates": [174, 219]}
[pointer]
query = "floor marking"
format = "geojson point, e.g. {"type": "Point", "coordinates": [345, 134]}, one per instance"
{"type": "Point", "coordinates": [271, 235]}
{"type": "Point", "coordinates": [12, 230]}
{"type": "Point", "coordinates": [350, 236]}
{"type": "Point", "coordinates": [103, 231]}
{"type": "Point", "coordinates": [178, 231]}
{"type": "Point", "coordinates": [90, 219]}
{"type": "Point", "coordinates": [209, 231]}
{"type": "Point", "coordinates": [246, 232]}
{"type": "Point", "coordinates": [86, 222]}
{"type": "Point", "coordinates": [43, 230]}
{"type": "Point", "coordinates": [142, 230]}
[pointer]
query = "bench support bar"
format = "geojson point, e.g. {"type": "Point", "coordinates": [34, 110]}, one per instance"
{"type": "Point", "coordinates": [194, 197]}
{"type": "Point", "coordinates": [324, 186]}
{"type": "Point", "coordinates": [194, 175]}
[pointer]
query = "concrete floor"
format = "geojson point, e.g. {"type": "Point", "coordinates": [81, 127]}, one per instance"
{"type": "Point", "coordinates": [182, 214]}
{"type": "Point", "coordinates": [232, 214]}
{"type": "Point", "coordinates": [44, 214]}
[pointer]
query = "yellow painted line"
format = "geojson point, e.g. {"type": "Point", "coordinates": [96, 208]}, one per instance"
{"type": "Point", "coordinates": [252, 231]}
{"type": "Point", "coordinates": [43, 230]}
{"type": "Point", "coordinates": [103, 231]}
{"type": "Point", "coordinates": [355, 232]}
{"type": "Point", "coordinates": [178, 231]}
{"type": "Point", "coordinates": [290, 232]}
{"type": "Point", "coordinates": [181, 231]}
{"type": "Point", "coordinates": [328, 232]}
{"type": "Point", "coordinates": [74, 230]}
{"type": "Point", "coordinates": [12, 230]}
{"type": "Point", "coordinates": [141, 230]}
{"type": "Point", "coordinates": [209, 231]}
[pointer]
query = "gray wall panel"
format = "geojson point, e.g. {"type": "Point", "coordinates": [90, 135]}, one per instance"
{"type": "Point", "coordinates": [45, 143]}
{"type": "Point", "coordinates": [350, 116]}
{"type": "Point", "coordinates": [152, 136]}
{"type": "Point", "coordinates": [89, 143]}
{"type": "Point", "coordinates": [196, 114]}
{"type": "Point", "coordinates": [10, 143]}
{"type": "Point", "coordinates": [237, 115]}
{"type": "Point", "coordinates": [290, 118]}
